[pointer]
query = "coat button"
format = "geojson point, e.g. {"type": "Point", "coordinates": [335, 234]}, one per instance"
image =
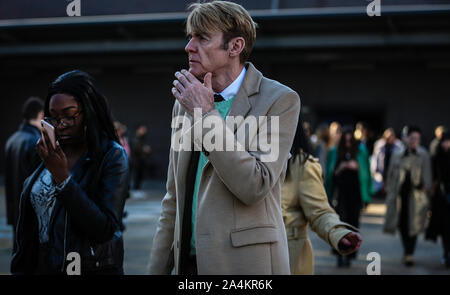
{"type": "Point", "coordinates": [97, 264]}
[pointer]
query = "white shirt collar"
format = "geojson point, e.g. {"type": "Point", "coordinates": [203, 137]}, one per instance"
{"type": "Point", "coordinates": [233, 88]}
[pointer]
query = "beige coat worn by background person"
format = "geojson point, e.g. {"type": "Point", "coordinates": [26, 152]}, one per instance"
{"type": "Point", "coordinates": [420, 167]}
{"type": "Point", "coordinates": [239, 227]}
{"type": "Point", "coordinates": [304, 202]}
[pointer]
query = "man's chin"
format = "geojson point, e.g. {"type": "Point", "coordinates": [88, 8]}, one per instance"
{"type": "Point", "coordinates": [197, 73]}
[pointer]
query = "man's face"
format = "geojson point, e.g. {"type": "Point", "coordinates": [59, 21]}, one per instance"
{"type": "Point", "coordinates": [142, 130]}
{"type": "Point", "coordinates": [206, 54]}
{"type": "Point", "coordinates": [391, 139]}
{"type": "Point", "coordinates": [414, 140]}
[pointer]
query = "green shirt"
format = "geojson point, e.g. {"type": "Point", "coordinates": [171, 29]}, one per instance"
{"type": "Point", "coordinates": [224, 108]}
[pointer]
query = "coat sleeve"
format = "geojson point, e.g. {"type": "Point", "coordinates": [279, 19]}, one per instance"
{"type": "Point", "coordinates": [8, 187]}
{"type": "Point", "coordinates": [101, 219]}
{"type": "Point", "coordinates": [260, 171]}
{"type": "Point", "coordinates": [314, 202]}
{"type": "Point", "coordinates": [161, 258]}
{"type": "Point", "coordinates": [391, 179]}
{"type": "Point", "coordinates": [390, 218]}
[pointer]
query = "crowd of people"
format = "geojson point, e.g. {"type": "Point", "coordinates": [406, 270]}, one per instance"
{"type": "Point", "coordinates": [68, 195]}
{"type": "Point", "coordinates": [410, 178]}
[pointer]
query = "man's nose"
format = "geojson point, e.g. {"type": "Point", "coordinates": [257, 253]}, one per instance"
{"type": "Point", "coordinates": [190, 47]}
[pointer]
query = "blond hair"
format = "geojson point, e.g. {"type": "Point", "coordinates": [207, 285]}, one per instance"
{"type": "Point", "coordinates": [230, 18]}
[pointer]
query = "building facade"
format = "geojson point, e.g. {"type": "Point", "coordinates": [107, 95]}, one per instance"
{"type": "Point", "coordinates": [387, 70]}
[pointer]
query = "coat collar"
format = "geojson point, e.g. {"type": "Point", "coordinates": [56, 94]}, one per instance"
{"type": "Point", "coordinates": [232, 89]}
{"type": "Point", "coordinates": [250, 86]}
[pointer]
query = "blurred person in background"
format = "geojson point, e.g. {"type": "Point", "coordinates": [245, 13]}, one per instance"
{"type": "Point", "coordinates": [440, 197]}
{"type": "Point", "coordinates": [365, 135]}
{"type": "Point", "coordinates": [407, 186]}
{"type": "Point", "coordinates": [335, 133]}
{"type": "Point", "coordinates": [383, 150]}
{"type": "Point", "coordinates": [438, 131]}
{"type": "Point", "coordinates": [121, 133]}
{"type": "Point", "coordinates": [308, 132]}
{"type": "Point", "coordinates": [404, 135]}
{"type": "Point", "coordinates": [348, 175]}
{"type": "Point", "coordinates": [360, 133]}
{"type": "Point", "coordinates": [74, 200]}
{"type": "Point", "coordinates": [304, 202]}
{"type": "Point", "coordinates": [140, 151]}
{"type": "Point", "coordinates": [21, 156]}
{"type": "Point", "coordinates": [321, 146]}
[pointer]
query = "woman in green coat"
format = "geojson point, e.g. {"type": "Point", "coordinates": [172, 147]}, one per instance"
{"type": "Point", "coordinates": [348, 175]}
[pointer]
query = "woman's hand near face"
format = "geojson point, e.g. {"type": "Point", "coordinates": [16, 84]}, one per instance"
{"type": "Point", "coordinates": [54, 159]}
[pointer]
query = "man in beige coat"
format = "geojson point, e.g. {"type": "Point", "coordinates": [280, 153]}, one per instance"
{"type": "Point", "coordinates": [222, 211]}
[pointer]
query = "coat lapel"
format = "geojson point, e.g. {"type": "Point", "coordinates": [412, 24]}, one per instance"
{"type": "Point", "coordinates": [250, 86]}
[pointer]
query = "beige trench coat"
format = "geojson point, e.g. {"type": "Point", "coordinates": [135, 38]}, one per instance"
{"type": "Point", "coordinates": [239, 228]}
{"type": "Point", "coordinates": [420, 166]}
{"type": "Point", "coordinates": [305, 202]}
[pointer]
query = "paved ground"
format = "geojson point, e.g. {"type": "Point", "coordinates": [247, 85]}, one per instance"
{"type": "Point", "coordinates": [427, 255]}
{"type": "Point", "coordinates": [143, 211]}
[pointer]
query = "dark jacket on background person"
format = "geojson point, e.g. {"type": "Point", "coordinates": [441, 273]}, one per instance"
{"type": "Point", "coordinates": [440, 200]}
{"type": "Point", "coordinates": [21, 160]}
{"type": "Point", "coordinates": [137, 148]}
{"type": "Point", "coordinates": [86, 218]}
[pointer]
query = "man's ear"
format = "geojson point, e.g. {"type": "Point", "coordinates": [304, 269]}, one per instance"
{"type": "Point", "coordinates": [236, 45]}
